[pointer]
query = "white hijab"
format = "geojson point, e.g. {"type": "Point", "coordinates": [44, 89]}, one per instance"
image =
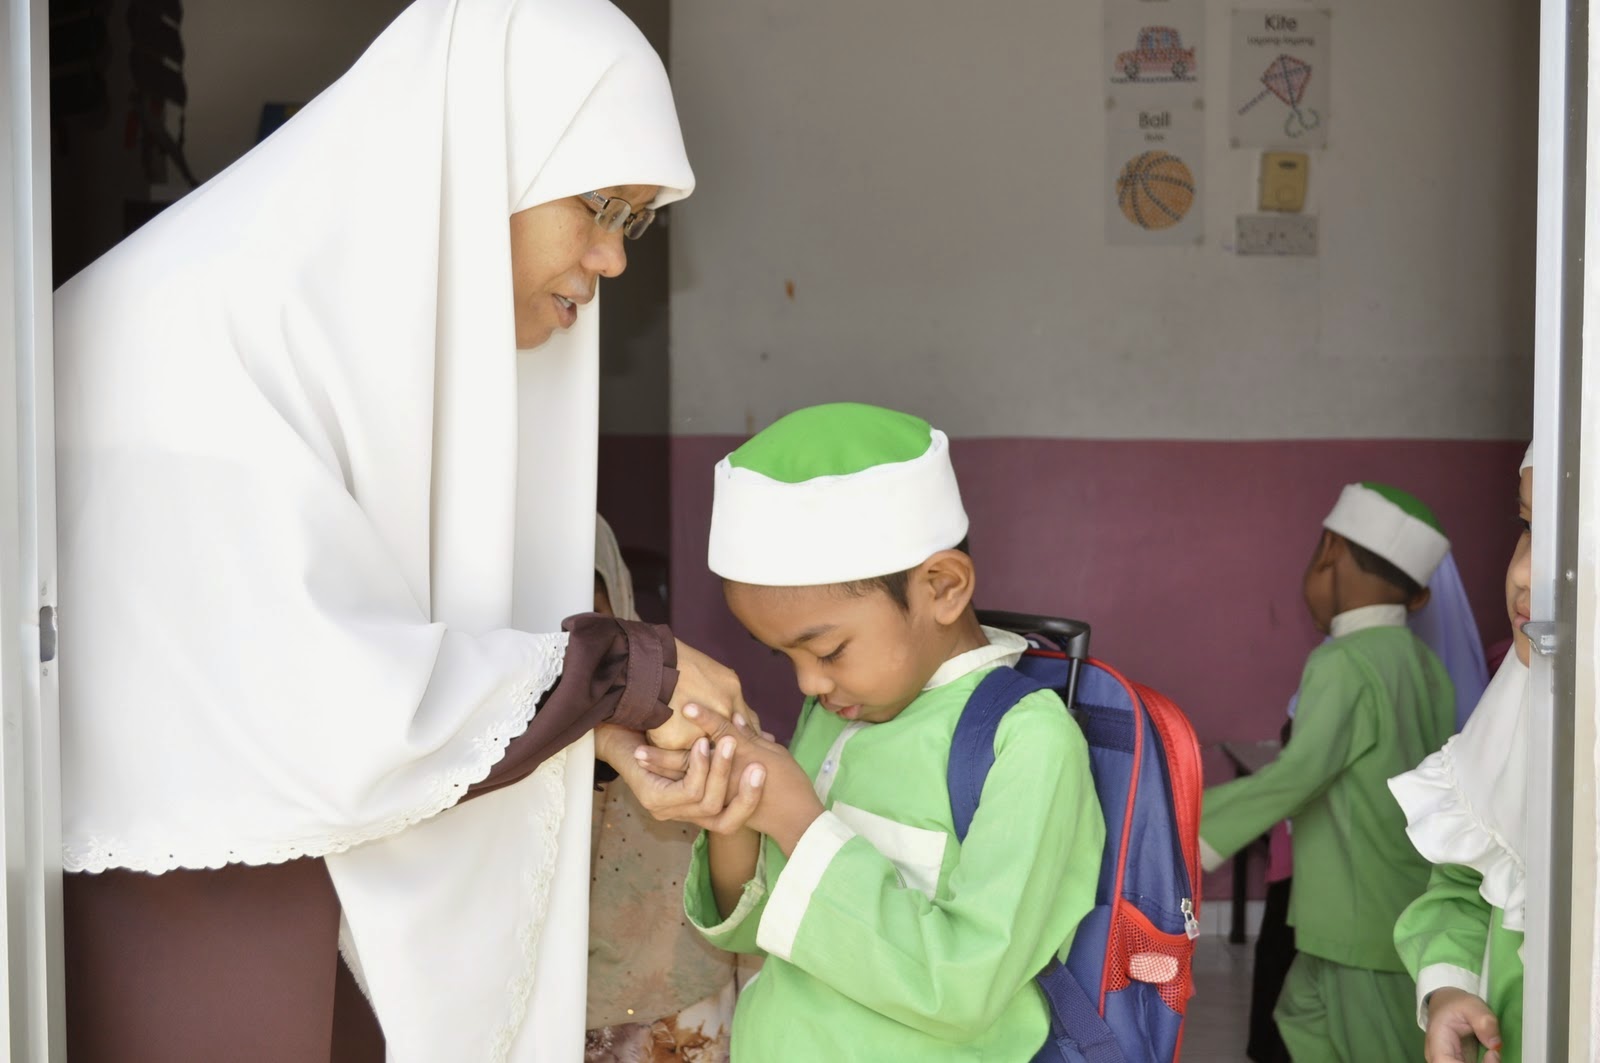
{"type": "Point", "coordinates": [1467, 803]}
{"type": "Point", "coordinates": [314, 507]}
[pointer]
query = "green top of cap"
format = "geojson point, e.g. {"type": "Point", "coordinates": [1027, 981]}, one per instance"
{"type": "Point", "coordinates": [836, 439]}
{"type": "Point", "coordinates": [1408, 503]}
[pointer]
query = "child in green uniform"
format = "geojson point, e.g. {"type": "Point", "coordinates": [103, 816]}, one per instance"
{"type": "Point", "coordinates": [839, 532]}
{"type": "Point", "coordinates": [1374, 700]}
{"type": "Point", "coordinates": [1462, 939]}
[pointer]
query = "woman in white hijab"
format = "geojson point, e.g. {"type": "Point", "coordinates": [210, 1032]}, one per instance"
{"type": "Point", "coordinates": [1465, 810]}
{"type": "Point", "coordinates": [321, 524]}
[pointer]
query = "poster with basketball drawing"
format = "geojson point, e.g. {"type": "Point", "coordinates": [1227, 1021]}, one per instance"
{"type": "Point", "coordinates": [1153, 188]}
{"type": "Point", "coordinates": [1278, 79]}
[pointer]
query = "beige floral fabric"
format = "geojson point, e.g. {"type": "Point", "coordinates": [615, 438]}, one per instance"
{"type": "Point", "coordinates": [655, 985]}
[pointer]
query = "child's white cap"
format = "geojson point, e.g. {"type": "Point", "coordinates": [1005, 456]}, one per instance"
{"type": "Point", "coordinates": [1393, 524]}
{"type": "Point", "coordinates": [834, 493]}
{"type": "Point", "coordinates": [1527, 460]}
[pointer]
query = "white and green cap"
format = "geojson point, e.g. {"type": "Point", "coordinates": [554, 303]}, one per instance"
{"type": "Point", "coordinates": [834, 493]}
{"type": "Point", "coordinates": [1393, 524]}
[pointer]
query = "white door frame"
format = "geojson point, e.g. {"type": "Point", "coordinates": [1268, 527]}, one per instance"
{"type": "Point", "coordinates": [1558, 352]}
{"type": "Point", "coordinates": [32, 994]}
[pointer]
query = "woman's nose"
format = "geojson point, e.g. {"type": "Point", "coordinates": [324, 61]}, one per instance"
{"type": "Point", "coordinates": [607, 256]}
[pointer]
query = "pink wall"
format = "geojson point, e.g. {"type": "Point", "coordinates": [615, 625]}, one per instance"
{"type": "Point", "coordinates": [1186, 557]}
{"type": "Point", "coordinates": [635, 493]}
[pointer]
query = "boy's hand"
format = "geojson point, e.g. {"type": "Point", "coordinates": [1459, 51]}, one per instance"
{"type": "Point", "coordinates": [708, 794]}
{"type": "Point", "coordinates": [791, 804]}
{"type": "Point", "coordinates": [674, 763]}
{"type": "Point", "coordinates": [760, 763]}
{"type": "Point", "coordinates": [704, 682]}
{"type": "Point", "coordinates": [1455, 1017]}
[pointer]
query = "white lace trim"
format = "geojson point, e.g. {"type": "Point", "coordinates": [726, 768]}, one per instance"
{"type": "Point", "coordinates": [443, 790]}
{"type": "Point", "coordinates": [538, 882]}
{"type": "Point", "coordinates": [1446, 829]}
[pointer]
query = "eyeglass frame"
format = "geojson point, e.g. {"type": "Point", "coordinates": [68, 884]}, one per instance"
{"type": "Point", "coordinates": [618, 215]}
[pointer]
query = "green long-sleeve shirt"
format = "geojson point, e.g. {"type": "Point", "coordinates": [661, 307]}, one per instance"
{"type": "Point", "coordinates": [1373, 703]}
{"type": "Point", "coordinates": [885, 938]}
{"type": "Point", "coordinates": [1451, 936]}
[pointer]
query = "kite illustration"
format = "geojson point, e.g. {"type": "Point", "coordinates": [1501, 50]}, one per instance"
{"type": "Point", "coordinates": [1286, 78]}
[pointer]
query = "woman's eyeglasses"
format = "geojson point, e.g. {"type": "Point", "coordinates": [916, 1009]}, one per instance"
{"type": "Point", "coordinates": [617, 215]}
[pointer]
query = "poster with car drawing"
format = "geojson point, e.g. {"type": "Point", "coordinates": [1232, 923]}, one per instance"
{"type": "Point", "coordinates": [1154, 49]}
{"type": "Point", "coordinates": [1154, 63]}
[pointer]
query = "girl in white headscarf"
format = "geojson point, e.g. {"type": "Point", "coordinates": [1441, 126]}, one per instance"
{"type": "Point", "coordinates": [1466, 812]}
{"type": "Point", "coordinates": [321, 524]}
{"type": "Point", "coordinates": [658, 992]}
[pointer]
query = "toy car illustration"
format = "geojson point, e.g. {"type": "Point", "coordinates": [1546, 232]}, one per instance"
{"type": "Point", "coordinates": [1160, 54]}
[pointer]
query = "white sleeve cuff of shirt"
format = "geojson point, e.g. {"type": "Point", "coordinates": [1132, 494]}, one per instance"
{"type": "Point", "coordinates": [1439, 976]}
{"type": "Point", "coordinates": [798, 880]}
{"type": "Point", "coordinates": [749, 897]}
{"type": "Point", "coordinates": [1210, 859]}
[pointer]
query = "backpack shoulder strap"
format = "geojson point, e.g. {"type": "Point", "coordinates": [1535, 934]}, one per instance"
{"type": "Point", "coordinates": [972, 747]}
{"type": "Point", "coordinates": [1078, 1032]}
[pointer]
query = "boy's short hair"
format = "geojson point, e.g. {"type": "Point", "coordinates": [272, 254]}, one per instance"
{"type": "Point", "coordinates": [894, 584]}
{"type": "Point", "coordinates": [1373, 565]}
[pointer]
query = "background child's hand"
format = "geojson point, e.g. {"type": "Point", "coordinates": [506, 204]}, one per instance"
{"type": "Point", "coordinates": [1455, 1017]}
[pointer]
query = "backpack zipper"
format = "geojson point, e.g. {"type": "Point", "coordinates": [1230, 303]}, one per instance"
{"type": "Point", "coordinates": [1191, 925]}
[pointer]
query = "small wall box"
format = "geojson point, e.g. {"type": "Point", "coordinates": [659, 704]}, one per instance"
{"type": "Point", "coordinates": [1283, 180]}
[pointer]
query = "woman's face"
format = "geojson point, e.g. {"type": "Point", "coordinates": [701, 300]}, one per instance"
{"type": "Point", "coordinates": [1520, 573]}
{"type": "Point", "coordinates": [558, 254]}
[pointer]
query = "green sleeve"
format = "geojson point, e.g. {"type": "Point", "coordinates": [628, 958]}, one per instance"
{"type": "Point", "coordinates": [737, 933]}
{"type": "Point", "coordinates": [1447, 926]}
{"type": "Point", "coordinates": [1332, 729]}
{"type": "Point", "coordinates": [1021, 882]}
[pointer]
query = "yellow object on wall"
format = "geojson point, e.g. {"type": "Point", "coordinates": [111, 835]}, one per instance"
{"type": "Point", "coordinates": [1283, 180]}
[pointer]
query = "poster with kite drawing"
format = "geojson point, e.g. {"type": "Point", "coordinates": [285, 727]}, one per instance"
{"type": "Point", "coordinates": [1278, 79]}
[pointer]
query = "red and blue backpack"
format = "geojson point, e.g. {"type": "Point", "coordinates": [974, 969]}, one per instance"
{"type": "Point", "coordinates": [1122, 993]}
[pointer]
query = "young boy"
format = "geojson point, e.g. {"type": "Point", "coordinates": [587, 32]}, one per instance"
{"type": "Point", "coordinates": [839, 532]}
{"type": "Point", "coordinates": [1373, 702]}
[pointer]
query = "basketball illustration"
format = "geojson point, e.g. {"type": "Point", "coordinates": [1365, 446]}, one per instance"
{"type": "Point", "coordinates": [1155, 190]}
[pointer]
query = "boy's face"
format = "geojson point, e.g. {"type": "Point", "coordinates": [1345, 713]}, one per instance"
{"type": "Point", "coordinates": [1319, 582]}
{"type": "Point", "coordinates": [1519, 575]}
{"type": "Point", "coordinates": [861, 656]}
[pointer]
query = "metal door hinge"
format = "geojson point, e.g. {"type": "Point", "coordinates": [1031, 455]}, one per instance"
{"type": "Point", "coordinates": [1546, 637]}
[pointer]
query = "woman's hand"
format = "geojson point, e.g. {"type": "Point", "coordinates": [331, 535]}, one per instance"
{"type": "Point", "coordinates": [703, 682]}
{"type": "Point", "coordinates": [1455, 1017]}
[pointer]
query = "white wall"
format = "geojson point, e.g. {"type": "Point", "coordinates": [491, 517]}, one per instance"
{"type": "Point", "coordinates": [889, 157]}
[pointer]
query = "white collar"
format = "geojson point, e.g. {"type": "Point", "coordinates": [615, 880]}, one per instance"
{"type": "Point", "coordinates": [1348, 623]}
{"type": "Point", "coordinates": [1003, 648]}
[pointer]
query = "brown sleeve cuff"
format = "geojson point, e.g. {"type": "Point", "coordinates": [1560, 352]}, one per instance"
{"type": "Point", "coordinates": [615, 671]}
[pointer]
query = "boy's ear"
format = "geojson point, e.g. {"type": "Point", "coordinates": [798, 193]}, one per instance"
{"type": "Point", "coordinates": [1423, 597]}
{"type": "Point", "coordinates": [949, 581]}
